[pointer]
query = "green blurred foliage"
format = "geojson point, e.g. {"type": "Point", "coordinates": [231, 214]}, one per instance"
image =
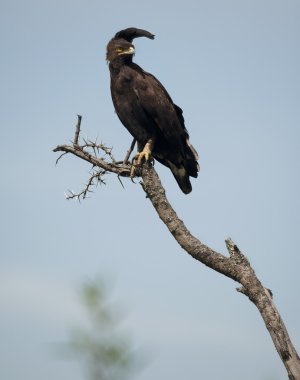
{"type": "Point", "coordinates": [105, 351]}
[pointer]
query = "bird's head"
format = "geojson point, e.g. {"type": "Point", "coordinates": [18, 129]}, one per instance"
{"type": "Point", "coordinates": [120, 46]}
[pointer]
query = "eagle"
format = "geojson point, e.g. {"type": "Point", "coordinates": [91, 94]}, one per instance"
{"type": "Point", "coordinates": [147, 111]}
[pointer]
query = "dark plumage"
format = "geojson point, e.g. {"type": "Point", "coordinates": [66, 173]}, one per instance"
{"type": "Point", "coordinates": [146, 109]}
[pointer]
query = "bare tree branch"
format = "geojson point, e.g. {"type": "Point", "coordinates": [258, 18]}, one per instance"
{"type": "Point", "coordinates": [81, 151]}
{"type": "Point", "coordinates": [235, 266]}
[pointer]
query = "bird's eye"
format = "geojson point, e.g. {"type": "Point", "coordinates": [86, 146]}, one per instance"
{"type": "Point", "coordinates": [119, 50]}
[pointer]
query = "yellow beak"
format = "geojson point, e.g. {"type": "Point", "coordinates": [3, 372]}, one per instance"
{"type": "Point", "coordinates": [131, 50]}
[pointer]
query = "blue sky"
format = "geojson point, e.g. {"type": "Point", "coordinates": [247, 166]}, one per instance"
{"type": "Point", "coordinates": [233, 66]}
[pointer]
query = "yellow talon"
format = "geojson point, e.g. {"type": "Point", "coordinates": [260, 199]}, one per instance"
{"type": "Point", "coordinates": [144, 155]}
{"type": "Point", "coordinates": [138, 159]}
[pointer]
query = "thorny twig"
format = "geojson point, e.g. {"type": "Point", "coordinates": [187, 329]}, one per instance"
{"type": "Point", "coordinates": [94, 180]}
{"type": "Point", "coordinates": [97, 148]}
{"type": "Point", "coordinates": [118, 167]}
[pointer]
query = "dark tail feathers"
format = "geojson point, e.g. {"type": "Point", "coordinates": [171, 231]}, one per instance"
{"type": "Point", "coordinates": [182, 178]}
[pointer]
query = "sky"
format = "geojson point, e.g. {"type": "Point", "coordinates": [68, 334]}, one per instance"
{"type": "Point", "coordinates": [233, 67]}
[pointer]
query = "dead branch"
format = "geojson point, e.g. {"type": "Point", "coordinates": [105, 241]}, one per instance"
{"type": "Point", "coordinates": [235, 266]}
{"type": "Point", "coordinates": [82, 151]}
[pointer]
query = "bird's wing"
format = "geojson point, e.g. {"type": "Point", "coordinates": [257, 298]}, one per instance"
{"type": "Point", "coordinates": [158, 105]}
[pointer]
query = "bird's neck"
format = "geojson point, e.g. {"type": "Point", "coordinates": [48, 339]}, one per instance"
{"type": "Point", "coordinates": [119, 62]}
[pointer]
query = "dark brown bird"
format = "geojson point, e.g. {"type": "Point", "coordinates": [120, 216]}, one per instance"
{"type": "Point", "coordinates": [146, 109]}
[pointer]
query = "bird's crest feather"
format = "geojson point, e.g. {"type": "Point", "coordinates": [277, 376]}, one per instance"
{"type": "Point", "coordinates": [130, 34]}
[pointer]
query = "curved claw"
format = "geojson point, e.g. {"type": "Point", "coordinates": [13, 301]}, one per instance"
{"type": "Point", "coordinates": [138, 160]}
{"type": "Point", "coordinates": [132, 170]}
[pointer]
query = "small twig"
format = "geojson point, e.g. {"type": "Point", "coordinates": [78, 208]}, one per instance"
{"type": "Point", "coordinates": [119, 178]}
{"type": "Point", "coordinates": [77, 130]}
{"type": "Point", "coordinates": [125, 161]}
{"type": "Point", "coordinates": [120, 169]}
{"type": "Point", "coordinates": [84, 193]}
{"type": "Point", "coordinates": [97, 147]}
{"type": "Point", "coordinates": [82, 151]}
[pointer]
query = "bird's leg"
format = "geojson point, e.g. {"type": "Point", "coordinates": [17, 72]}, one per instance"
{"type": "Point", "coordinates": [145, 154]}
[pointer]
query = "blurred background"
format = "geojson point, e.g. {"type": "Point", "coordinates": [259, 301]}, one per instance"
{"type": "Point", "coordinates": [233, 66]}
